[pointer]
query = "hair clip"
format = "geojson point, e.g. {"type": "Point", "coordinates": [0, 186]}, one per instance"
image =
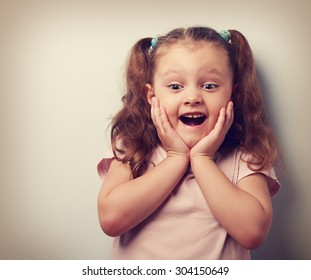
{"type": "Point", "coordinates": [225, 34]}
{"type": "Point", "coordinates": [154, 42]}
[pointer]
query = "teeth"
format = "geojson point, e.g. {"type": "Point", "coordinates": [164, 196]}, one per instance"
{"type": "Point", "coordinates": [194, 116]}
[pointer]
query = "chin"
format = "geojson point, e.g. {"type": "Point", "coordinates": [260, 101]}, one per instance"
{"type": "Point", "coordinates": [191, 142]}
{"type": "Point", "coordinates": [192, 135]}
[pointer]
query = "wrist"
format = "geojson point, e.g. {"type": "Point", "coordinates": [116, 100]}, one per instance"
{"type": "Point", "coordinates": [201, 159]}
{"type": "Point", "coordinates": [174, 154]}
{"type": "Point", "coordinates": [197, 162]}
{"type": "Point", "coordinates": [204, 156]}
{"type": "Point", "coordinates": [180, 161]}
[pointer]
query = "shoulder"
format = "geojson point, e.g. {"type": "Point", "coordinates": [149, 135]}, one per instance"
{"type": "Point", "coordinates": [104, 164]}
{"type": "Point", "coordinates": [109, 160]}
{"type": "Point", "coordinates": [236, 166]}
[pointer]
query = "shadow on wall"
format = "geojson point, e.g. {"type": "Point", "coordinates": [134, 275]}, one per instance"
{"type": "Point", "coordinates": [276, 246]}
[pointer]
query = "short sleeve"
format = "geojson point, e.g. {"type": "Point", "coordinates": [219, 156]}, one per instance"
{"type": "Point", "coordinates": [243, 171]}
{"type": "Point", "coordinates": [104, 164]}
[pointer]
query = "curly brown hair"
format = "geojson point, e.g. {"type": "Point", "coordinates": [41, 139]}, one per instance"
{"type": "Point", "coordinates": [132, 125]}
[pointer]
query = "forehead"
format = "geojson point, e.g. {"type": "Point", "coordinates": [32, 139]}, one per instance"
{"type": "Point", "coordinates": [192, 55]}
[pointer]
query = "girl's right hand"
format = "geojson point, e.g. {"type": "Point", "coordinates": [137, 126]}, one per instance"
{"type": "Point", "coordinates": [170, 139]}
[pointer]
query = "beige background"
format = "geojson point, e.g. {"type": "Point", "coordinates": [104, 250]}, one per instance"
{"type": "Point", "coordinates": [60, 80]}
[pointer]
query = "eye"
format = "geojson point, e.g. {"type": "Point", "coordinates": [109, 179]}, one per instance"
{"type": "Point", "coordinates": [209, 86]}
{"type": "Point", "coordinates": [175, 87]}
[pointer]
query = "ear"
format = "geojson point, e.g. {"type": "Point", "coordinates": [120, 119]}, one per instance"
{"type": "Point", "coordinates": [149, 92]}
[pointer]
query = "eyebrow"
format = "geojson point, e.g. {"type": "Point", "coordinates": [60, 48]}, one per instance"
{"type": "Point", "coordinates": [212, 71]}
{"type": "Point", "coordinates": [179, 70]}
{"type": "Point", "coordinates": [173, 71]}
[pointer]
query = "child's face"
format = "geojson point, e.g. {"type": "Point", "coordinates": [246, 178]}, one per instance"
{"type": "Point", "coordinates": [192, 83]}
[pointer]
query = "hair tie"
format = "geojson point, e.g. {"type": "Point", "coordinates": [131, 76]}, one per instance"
{"type": "Point", "coordinates": [154, 42]}
{"type": "Point", "coordinates": [225, 34]}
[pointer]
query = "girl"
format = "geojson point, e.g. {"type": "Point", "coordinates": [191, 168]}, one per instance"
{"type": "Point", "coordinates": [191, 174]}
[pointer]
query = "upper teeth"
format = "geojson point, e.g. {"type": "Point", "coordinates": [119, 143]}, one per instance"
{"type": "Point", "coordinates": [194, 116]}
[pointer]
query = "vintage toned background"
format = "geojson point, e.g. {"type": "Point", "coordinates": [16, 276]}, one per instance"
{"type": "Point", "coordinates": [61, 79]}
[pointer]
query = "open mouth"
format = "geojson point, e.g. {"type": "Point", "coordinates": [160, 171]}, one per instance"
{"type": "Point", "coordinates": [193, 119]}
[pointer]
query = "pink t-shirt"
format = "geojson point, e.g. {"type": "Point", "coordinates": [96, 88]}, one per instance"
{"type": "Point", "coordinates": [184, 227]}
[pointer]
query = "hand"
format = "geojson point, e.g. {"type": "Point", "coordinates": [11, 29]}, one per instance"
{"type": "Point", "coordinates": [209, 145]}
{"type": "Point", "coordinates": [170, 139]}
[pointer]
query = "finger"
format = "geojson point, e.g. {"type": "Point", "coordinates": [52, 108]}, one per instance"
{"type": "Point", "coordinates": [155, 110]}
{"type": "Point", "coordinates": [160, 118]}
{"type": "Point", "coordinates": [155, 113]}
{"type": "Point", "coordinates": [221, 120]}
{"type": "Point", "coordinates": [229, 114]}
{"type": "Point", "coordinates": [165, 124]}
{"type": "Point", "coordinates": [152, 109]}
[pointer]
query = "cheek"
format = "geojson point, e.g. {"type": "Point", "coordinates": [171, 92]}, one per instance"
{"type": "Point", "coordinates": [168, 103]}
{"type": "Point", "coordinates": [171, 113]}
{"type": "Point", "coordinates": [214, 108]}
{"type": "Point", "coordinates": [215, 104]}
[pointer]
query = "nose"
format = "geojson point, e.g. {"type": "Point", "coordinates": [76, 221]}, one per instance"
{"type": "Point", "coordinates": [193, 98]}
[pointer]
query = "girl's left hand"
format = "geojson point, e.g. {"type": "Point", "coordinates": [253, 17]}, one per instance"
{"type": "Point", "coordinates": [209, 145]}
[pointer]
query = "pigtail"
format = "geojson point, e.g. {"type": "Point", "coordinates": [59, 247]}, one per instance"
{"type": "Point", "coordinates": [137, 69]}
{"type": "Point", "coordinates": [250, 129]}
{"type": "Point", "coordinates": [133, 135]}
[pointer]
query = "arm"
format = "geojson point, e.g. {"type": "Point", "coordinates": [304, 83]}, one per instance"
{"type": "Point", "coordinates": [244, 210]}
{"type": "Point", "coordinates": [124, 202]}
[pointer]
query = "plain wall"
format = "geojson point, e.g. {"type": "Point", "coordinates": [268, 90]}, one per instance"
{"type": "Point", "coordinates": [61, 66]}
